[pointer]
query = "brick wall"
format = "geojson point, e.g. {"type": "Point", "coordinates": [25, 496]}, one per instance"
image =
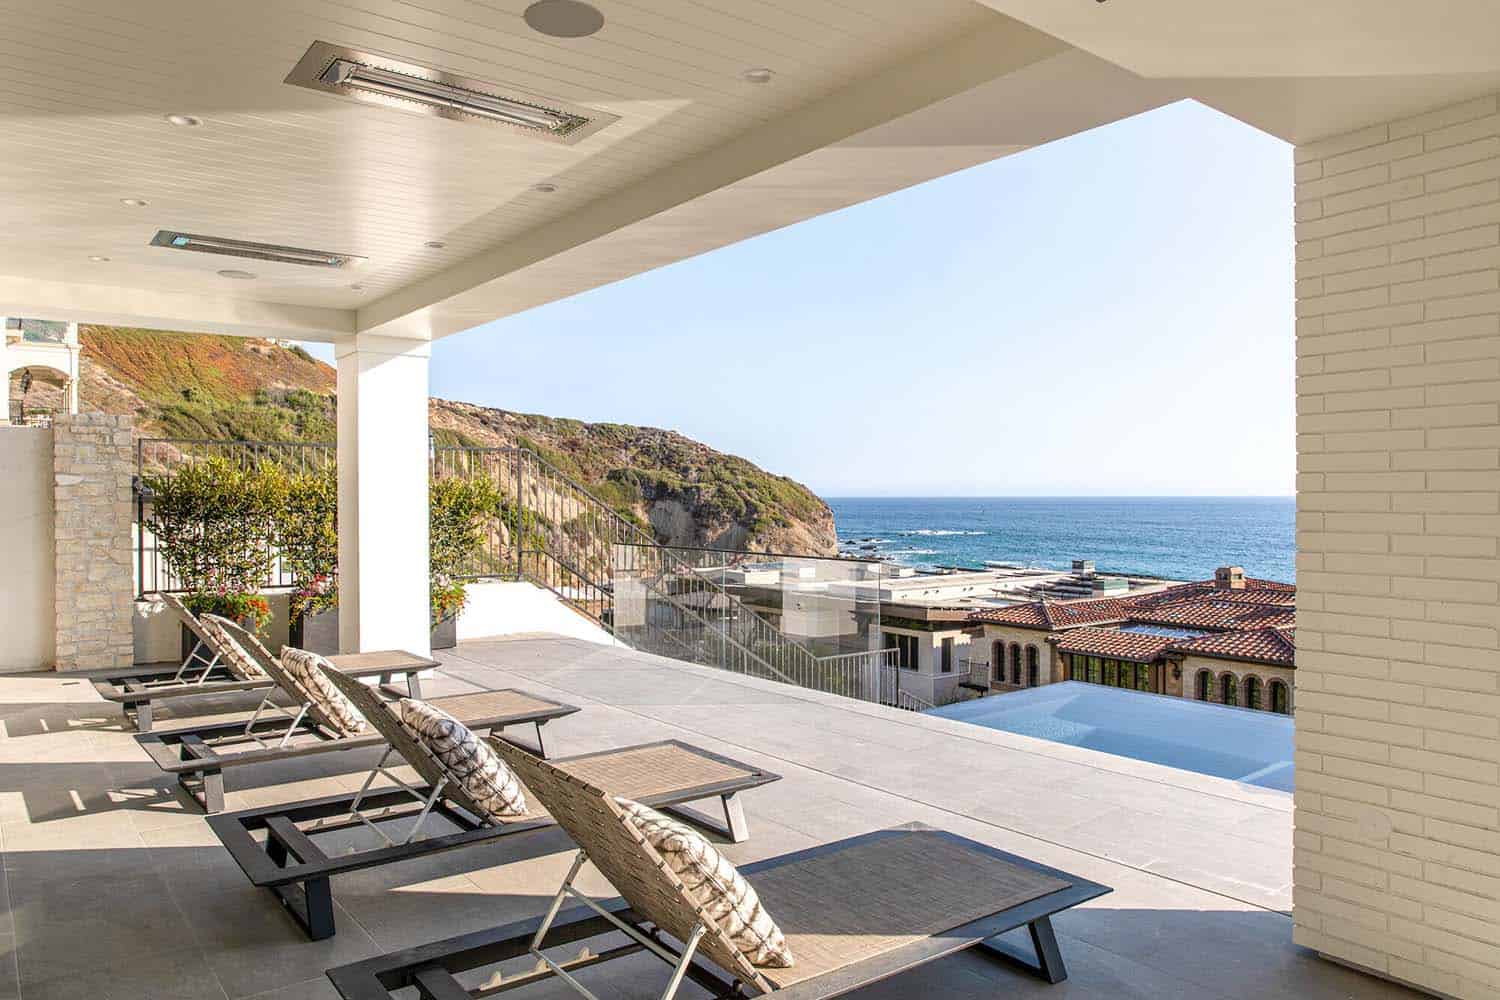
{"type": "Point", "coordinates": [1398, 677]}
{"type": "Point", "coordinates": [92, 465]}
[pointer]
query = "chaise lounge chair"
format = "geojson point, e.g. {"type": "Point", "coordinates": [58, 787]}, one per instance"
{"type": "Point", "coordinates": [274, 845]}
{"type": "Point", "coordinates": [207, 671]}
{"type": "Point", "coordinates": [852, 913]}
{"type": "Point", "coordinates": [198, 755]}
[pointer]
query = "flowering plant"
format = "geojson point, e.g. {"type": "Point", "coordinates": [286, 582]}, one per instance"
{"type": "Point", "coordinates": [448, 599]}
{"type": "Point", "coordinates": [251, 610]}
{"type": "Point", "coordinates": [317, 595]}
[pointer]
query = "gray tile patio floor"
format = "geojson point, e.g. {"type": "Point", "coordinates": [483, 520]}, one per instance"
{"type": "Point", "coordinates": [113, 887]}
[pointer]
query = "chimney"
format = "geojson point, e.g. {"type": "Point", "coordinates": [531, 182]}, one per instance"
{"type": "Point", "coordinates": [1229, 578]}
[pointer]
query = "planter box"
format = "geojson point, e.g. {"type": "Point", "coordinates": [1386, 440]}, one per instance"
{"type": "Point", "coordinates": [445, 634]}
{"type": "Point", "coordinates": [317, 633]}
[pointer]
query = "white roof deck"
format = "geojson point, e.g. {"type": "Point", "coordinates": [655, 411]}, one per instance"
{"type": "Point", "coordinates": [114, 887]}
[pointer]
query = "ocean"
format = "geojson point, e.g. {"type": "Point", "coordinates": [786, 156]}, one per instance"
{"type": "Point", "coordinates": [1182, 538]}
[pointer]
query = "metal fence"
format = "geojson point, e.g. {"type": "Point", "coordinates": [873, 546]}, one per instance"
{"type": "Point", "coordinates": [721, 608]}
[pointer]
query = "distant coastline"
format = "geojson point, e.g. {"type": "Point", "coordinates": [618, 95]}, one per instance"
{"type": "Point", "coordinates": [1182, 538]}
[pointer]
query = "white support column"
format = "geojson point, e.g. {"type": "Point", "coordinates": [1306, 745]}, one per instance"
{"type": "Point", "coordinates": [382, 454]}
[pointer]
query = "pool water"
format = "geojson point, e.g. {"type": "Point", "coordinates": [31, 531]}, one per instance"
{"type": "Point", "coordinates": [1237, 743]}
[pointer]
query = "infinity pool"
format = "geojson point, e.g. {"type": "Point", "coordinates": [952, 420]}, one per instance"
{"type": "Point", "coordinates": [1244, 745]}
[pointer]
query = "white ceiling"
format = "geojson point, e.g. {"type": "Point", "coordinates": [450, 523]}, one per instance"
{"type": "Point", "coordinates": [1300, 69]}
{"type": "Point", "coordinates": [868, 96]}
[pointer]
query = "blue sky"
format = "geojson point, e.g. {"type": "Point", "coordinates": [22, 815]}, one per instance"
{"type": "Point", "coordinates": [1110, 314]}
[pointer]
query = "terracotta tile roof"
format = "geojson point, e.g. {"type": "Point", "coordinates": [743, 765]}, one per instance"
{"type": "Point", "coordinates": [1052, 615]}
{"type": "Point", "coordinates": [1255, 592]}
{"type": "Point", "coordinates": [1140, 647]}
{"type": "Point", "coordinates": [1264, 645]}
{"type": "Point", "coordinates": [1262, 604]}
{"type": "Point", "coordinates": [1211, 613]}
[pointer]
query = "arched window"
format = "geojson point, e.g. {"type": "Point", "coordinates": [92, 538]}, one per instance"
{"type": "Point", "coordinates": [1205, 686]}
{"type": "Point", "coordinates": [1033, 667]}
{"type": "Point", "coordinates": [1252, 692]}
{"type": "Point", "coordinates": [1229, 691]}
{"type": "Point", "coordinates": [1279, 703]}
{"type": "Point", "coordinates": [997, 661]}
{"type": "Point", "coordinates": [1015, 663]}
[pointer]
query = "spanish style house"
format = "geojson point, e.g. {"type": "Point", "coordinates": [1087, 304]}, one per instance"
{"type": "Point", "coordinates": [1229, 640]}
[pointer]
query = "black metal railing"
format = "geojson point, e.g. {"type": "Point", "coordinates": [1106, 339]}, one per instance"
{"type": "Point", "coordinates": [602, 562]}
{"type": "Point", "coordinates": [156, 457]}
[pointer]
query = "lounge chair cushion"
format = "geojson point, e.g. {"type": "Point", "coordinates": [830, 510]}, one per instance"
{"type": "Point", "coordinates": [481, 773]}
{"type": "Point", "coordinates": [715, 883]}
{"type": "Point", "coordinates": [235, 658]}
{"type": "Point", "coordinates": [307, 669]}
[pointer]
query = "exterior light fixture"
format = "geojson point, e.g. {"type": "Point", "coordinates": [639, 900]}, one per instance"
{"type": "Point", "coordinates": [187, 121]}
{"type": "Point", "coordinates": [544, 188]}
{"type": "Point", "coordinates": [134, 202]}
{"type": "Point", "coordinates": [434, 244]}
{"type": "Point", "coordinates": [254, 251]}
{"type": "Point", "coordinates": [757, 74]}
{"type": "Point", "coordinates": [409, 87]}
{"type": "Point", "coordinates": [236, 275]}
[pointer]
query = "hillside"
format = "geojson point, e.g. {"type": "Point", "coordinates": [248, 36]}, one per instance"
{"type": "Point", "coordinates": [232, 388]}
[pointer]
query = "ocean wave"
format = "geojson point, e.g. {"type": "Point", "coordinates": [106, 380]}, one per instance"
{"type": "Point", "coordinates": [934, 532]}
{"type": "Point", "coordinates": [912, 552]}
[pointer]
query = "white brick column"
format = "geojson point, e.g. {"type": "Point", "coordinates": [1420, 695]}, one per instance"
{"type": "Point", "coordinates": [382, 454]}
{"type": "Point", "coordinates": [1398, 665]}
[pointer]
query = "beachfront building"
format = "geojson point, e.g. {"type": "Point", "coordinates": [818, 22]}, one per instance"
{"type": "Point", "coordinates": [1229, 640]}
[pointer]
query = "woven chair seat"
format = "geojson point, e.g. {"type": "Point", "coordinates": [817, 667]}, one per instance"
{"type": "Point", "coordinates": [845, 906]}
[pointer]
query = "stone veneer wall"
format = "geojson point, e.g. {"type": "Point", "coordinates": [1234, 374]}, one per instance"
{"type": "Point", "coordinates": [92, 462]}
{"type": "Point", "coordinates": [1397, 854]}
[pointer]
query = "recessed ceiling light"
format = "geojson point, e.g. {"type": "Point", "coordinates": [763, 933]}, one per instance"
{"type": "Point", "coordinates": [757, 74]}
{"type": "Point", "coordinates": [357, 287]}
{"type": "Point", "coordinates": [564, 18]}
{"type": "Point", "coordinates": [134, 202]}
{"type": "Point", "coordinates": [237, 275]}
{"type": "Point", "coordinates": [434, 244]}
{"type": "Point", "coordinates": [98, 259]}
{"type": "Point", "coordinates": [187, 120]}
{"type": "Point", "coordinates": [544, 187]}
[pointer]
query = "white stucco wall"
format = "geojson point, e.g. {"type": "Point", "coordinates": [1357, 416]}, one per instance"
{"type": "Point", "coordinates": [26, 543]}
{"type": "Point", "coordinates": [496, 608]}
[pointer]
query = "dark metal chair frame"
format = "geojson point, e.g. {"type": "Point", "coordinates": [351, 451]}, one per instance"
{"type": "Point", "coordinates": [199, 755]}
{"type": "Point", "coordinates": [136, 689]}
{"type": "Point", "coordinates": [432, 968]}
{"type": "Point", "coordinates": [290, 864]}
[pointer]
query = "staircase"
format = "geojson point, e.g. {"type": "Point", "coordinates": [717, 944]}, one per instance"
{"type": "Point", "coordinates": [555, 534]}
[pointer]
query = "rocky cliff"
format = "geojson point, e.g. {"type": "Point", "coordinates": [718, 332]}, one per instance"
{"type": "Point", "coordinates": [231, 388]}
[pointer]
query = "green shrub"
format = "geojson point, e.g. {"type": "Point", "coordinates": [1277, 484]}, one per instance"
{"type": "Point", "coordinates": [460, 511]}
{"type": "Point", "coordinates": [306, 535]}
{"type": "Point", "coordinates": [212, 520]}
